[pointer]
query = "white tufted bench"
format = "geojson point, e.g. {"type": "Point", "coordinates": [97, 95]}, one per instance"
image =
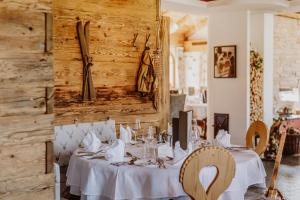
{"type": "Point", "coordinates": [69, 137]}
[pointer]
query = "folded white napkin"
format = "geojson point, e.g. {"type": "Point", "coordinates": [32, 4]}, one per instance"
{"type": "Point", "coordinates": [164, 150]}
{"type": "Point", "coordinates": [108, 134]}
{"type": "Point", "coordinates": [129, 131]}
{"type": "Point", "coordinates": [125, 134]}
{"type": "Point", "coordinates": [91, 142]}
{"type": "Point", "coordinates": [180, 154]}
{"type": "Point", "coordinates": [223, 138]}
{"type": "Point", "coordinates": [116, 152]}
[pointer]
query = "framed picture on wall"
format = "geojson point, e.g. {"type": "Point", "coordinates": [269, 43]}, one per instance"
{"type": "Point", "coordinates": [225, 61]}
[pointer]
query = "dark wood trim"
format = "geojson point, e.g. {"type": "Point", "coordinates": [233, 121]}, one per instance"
{"type": "Point", "coordinates": [48, 32]}
{"type": "Point", "coordinates": [49, 100]}
{"type": "Point", "coordinates": [49, 157]}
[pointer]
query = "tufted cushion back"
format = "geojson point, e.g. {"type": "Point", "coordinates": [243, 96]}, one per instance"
{"type": "Point", "coordinates": [69, 137]}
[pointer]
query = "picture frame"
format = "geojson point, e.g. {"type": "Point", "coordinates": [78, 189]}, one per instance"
{"type": "Point", "coordinates": [225, 61]}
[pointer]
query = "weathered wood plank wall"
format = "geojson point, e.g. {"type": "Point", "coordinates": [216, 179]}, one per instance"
{"type": "Point", "coordinates": [113, 24]}
{"type": "Point", "coordinates": [25, 72]}
{"type": "Point", "coordinates": [165, 83]}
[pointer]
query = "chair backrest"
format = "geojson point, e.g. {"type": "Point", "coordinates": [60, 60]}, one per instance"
{"type": "Point", "coordinates": [272, 191]}
{"type": "Point", "coordinates": [258, 128]}
{"type": "Point", "coordinates": [69, 137]}
{"type": "Point", "coordinates": [204, 157]}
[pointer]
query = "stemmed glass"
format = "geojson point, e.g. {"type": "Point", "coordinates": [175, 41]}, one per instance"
{"type": "Point", "coordinates": [136, 128]}
{"type": "Point", "coordinates": [150, 145]}
{"type": "Point", "coordinates": [150, 136]}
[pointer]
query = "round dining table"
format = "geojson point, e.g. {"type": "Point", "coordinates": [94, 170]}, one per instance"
{"type": "Point", "coordinates": [97, 179]}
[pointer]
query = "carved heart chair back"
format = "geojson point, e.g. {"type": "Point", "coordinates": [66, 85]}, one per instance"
{"type": "Point", "coordinates": [204, 157]}
{"type": "Point", "coordinates": [258, 128]}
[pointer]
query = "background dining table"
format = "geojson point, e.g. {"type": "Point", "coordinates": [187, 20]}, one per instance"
{"type": "Point", "coordinates": [98, 179]}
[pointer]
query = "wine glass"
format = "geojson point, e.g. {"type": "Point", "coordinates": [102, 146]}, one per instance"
{"type": "Point", "coordinates": [136, 128]}
{"type": "Point", "coordinates": [150, 144]}
{"type": "Point", "coordinates": [150, 135]}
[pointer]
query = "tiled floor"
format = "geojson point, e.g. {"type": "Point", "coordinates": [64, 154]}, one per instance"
{"type": "Point", "coordinates": [288, 181]}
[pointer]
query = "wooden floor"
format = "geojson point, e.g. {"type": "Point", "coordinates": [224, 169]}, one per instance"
{"type": "Point", "coordinates": [288, 179]}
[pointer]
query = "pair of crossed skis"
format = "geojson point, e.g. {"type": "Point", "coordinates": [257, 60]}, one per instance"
{"type": "Point", "coordinates": [88, 91]}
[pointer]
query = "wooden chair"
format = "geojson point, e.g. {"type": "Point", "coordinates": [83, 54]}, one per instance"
{"type": "Point", "coordinates": [208, 156]}
{"type": "Point", "coordinates": [272, 191]}
{"type": "Point", "coordinates": [258, 128]}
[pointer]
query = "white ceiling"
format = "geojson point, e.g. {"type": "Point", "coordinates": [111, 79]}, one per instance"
{"type": "Point", "coordinates": [191, 26]}
{"type": "Point", "coordinates": [202, 8]}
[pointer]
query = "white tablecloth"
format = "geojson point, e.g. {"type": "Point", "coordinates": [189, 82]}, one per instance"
{"type": "Point", "coordinates": [98, 180]}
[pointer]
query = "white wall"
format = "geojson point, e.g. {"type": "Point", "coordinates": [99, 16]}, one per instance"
{"type": "Point", "coordinates": [268, 67]}
{"type": "Point", "coordinates": [261, 38]}
{"type": "Point", "coordinates": [230, 95]}
{"type": "Point", "coordinates": [257, 32]}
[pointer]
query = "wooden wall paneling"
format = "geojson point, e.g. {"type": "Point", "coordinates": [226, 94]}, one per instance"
{"type": "Point", "coordinates": [25, 129]}
{"type": "Point", "coordinates": [92, 8]}
{"type": "Point", "coordinates": [104, 74]}
{"type": "Point", "coordinates": [22, 58]}
{"type": "Point", "coordinates": [14, 188]}
{"type": "Point", "coordinates": [25, 72]}
{"type": "Point", "coordinates": [18, 161]}
{"type": "Point", "coordinates": [21, 34]}
{"type": "Point", "coordinates": [165, 96]}
{"type": "Point", "coordinates": [70, 97]}
{"type": "Point", "coordinates": [35, 73]}
{"type": "Point", "coordinates": [45, 193]}
{"type": "Point", "coordinates": [115, 60]}
{"type": "Point", "coordinates": [40, 6]}
{"type": "Point", "coordinates": [106, 110]}
{"type": "Point", "coordinates": [21, 101]}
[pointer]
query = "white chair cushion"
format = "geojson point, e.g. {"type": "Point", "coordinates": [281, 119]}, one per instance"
{"type": "Point", "coordinates": [69, 137]}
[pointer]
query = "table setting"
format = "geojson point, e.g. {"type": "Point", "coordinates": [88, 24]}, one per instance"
{"type": "Point", "coordinates": [145, 168]}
